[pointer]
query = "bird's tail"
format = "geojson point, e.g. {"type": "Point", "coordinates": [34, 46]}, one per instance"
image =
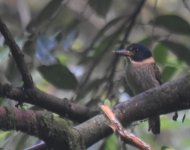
{"type": "Point", "coordinates": [154, 124]}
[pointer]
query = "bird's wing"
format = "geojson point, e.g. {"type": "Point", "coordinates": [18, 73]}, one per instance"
{"type": "Point", "coordinates": [157, 74]}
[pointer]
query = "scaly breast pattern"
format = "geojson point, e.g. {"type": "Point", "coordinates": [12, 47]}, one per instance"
{"type": "Point", "coordinates": [141, 77]}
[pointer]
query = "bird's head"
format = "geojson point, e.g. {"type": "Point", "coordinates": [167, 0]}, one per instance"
{"type": "Point", "coordinates": [135, 52]}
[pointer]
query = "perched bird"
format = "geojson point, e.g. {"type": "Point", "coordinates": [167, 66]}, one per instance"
{"type": "Point", "coordinates": [142, 74]}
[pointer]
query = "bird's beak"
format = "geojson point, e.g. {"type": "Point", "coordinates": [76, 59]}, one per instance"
{"type": "Point", "coordinates": [123, 52]}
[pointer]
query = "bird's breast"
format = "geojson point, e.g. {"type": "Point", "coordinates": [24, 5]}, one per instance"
{"type": "Point", "coordinates": [140, 77]}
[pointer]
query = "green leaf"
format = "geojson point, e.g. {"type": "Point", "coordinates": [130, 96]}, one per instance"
{"type": "Point", "coordinates": [180, 50]}
{"type": "Point", "coordinates": [172, 23]}
{"type": "Point", "coordinates": [168, 72]}
{"type": "Point", "coordinates": [4, 53]}
{"type": "Point", "coordinates": [110, 143]}
{"type": "Point", "coordinates": [4, 134]}
{"type": "Point", "coordinates": [166, 148]}
{"type": "Point", "coordinates": [175, 125]}
{"type": "Point", "coordinates": [160, 53]}
{"type": "Point", "coordinates": [91, 86]}
{"type": "Point", "coordinates": [146, 41]}
{"type": "Point", "coordinates": [49, 11]}
{"type": "Point", "coordinates": [100, 6]}
{"type": "Point", "coordinates": [102, 32]}
{"type": "Point", "coordinates": [104, 46]}
{"type": "Point", "coordinates": [58, 75]}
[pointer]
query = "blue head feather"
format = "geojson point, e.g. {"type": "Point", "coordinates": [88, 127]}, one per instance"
{"type": "Point", "coordinates": [140, 52]}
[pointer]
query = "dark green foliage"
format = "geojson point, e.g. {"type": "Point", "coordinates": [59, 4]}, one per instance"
{"type": "Point", "coordinates": [173, 23]}
{"type": "Point", "coordinates": [58, 75]}
{"type": "Point", "coordinates": [160, 54]}
{"type": "Point", "coordinates": [100, 6]}
{"type": "Point", "coordinates": [168, 72]}
{"type": "Point", "coordinates": [180, 50]}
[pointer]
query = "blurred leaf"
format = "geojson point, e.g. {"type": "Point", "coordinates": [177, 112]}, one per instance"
{"type": "Point", "coordinates": [100, 6]}
{"type": "Point", "coordinates": [166, 148]}
{"type": "Point", "coordinates": [30, 44]}
{"type": "Point", "coordinates": [146, 41]}
{"type": "Point", "coordinates": [173, 23]}
{"type": "Point", "coordinates": [160, 53]}
{"type": "Point", "coordinates": [180, 50]}
{"type": "Point", "coordinates": [111, 143]}
{"type": "Point", "coordinates": [46, 15]}
{"type": "Point", "coordinates": [93, 85]}
{"type": "Point", "coordinates": [104, 46]}
{"type": "Point", "coordinates": [1, 101]}
{"type": "Point", "coordinates": [68, 35]}
{"type": "Point", "coordinates": [96, 53]}
{"type": "Point", "coordinates": [68, 27]}
{"type": "Point", "coordinates": [10, 141]}
{"type": "Point", "coordinates": [58, 75]}
{"type": "Point", "coordinates": [12, 73]}
{"type": "Point", "coordinates": [44, 48]}
{"type": "Point", "coordinates": [111, 40]}
{"type": "Point", "coordinates": [168, 72]}
{"type": "Point", "coordinates": [107, 102]}
{"type": "Point", "coordinates": [4, 52]}
{"type": "Point", "coordinates": [62, 58]}
{"type": "Point", "coordinates": [4, 134]}
{"type": "Point", "coordinates": [22, 140]}
{"type": "Point", "coordinates": [69, 38]}
{"type": "Point", "coordinates": [29, 48]}
{"type": "Point", "coordinates": [101, 33]}
{"type": "Point", "coordinates": [169, 124]}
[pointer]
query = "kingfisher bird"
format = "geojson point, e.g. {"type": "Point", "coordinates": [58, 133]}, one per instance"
{"type": "Point", "coordinates": [142, 73]}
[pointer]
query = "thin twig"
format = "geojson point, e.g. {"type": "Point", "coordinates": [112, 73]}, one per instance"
{"type": "Point", "coordinates": [45, 17]}
{"type": "Point", "coordinates": [129, 27]}
{"type": "Point", "coordinates": [153, 25]}
{"type": "Point", "coordinates": [63, 107]}
{"type": "Point", "coordinates": [102, 32]}
{"type": "Point", "coordinates": [127, 137]}
{"type": "Point", "coordinates": [97, 60]}
{"type": "Point", "coordinates": [39, 146]}
{"type": "Point", "coordinates": [17, 55]}
{"type": "Point", "coordinates": [186, 5]}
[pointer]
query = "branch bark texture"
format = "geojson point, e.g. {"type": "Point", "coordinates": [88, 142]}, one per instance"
{"type": "Point", "coordinates": [170, 97]}
{"type": "Point", "coordinates": [56, 132]}
{"type": "Point", "coordinates": [36, 97]}
{"type": "Point", "coordinates": [167, 98]}
{"type": "Point", "coordinates": [18, 55]}
{"type": "Point", "coordinates": [32, 95]}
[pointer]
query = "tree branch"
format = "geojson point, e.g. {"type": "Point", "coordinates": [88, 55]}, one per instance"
{"type": "Point", "coordinates": [169, 97]}
{"type": "Point", "coordinates": [17, 55]}
{"type": "Point", "coordinates": [112, 66]}
{"type": "Point", "coordinates": [55, 131]}
{"type": "Point", "coordinates": [36, 97]}
{"type": "Point", "coordinates": [39, 146]}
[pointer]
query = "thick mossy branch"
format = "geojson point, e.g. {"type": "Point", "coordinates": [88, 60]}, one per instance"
{"type": "Point", "coordinates": [56, 132]}
{"type": "Point", "coordinates": [34, 96]}
{"type": "Point", "coordinates": [170, 97]}
{"type": "Point", "coordinates": [167, 98]}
